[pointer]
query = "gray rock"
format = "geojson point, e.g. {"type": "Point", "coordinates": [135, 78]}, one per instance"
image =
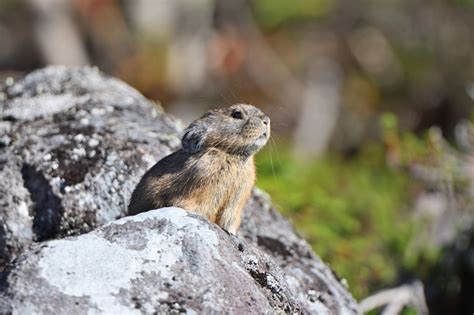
{"type": "Point", "coordinates": [73, 144]}
{"type": "Point", "coordinates": [161, 261]}
{"type": "Point", "coordinates": [78, 143]}
{"type": "Point", "coordinates": [315, 286]}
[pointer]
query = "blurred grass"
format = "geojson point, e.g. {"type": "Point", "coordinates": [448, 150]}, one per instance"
{"type": "Point", "coordinates": [273, 13]}
{"type": "Point", "coordinates": [353, 212]}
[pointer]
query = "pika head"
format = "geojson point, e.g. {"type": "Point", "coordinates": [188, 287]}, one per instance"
{"type": "Point", "coordinates": [240, 129]}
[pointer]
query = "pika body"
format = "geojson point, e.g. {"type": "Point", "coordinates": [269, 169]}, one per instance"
{"type": "Point", "coordinates": [213, 173]}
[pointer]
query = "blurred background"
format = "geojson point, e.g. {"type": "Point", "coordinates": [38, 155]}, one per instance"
{"type": "Point", "coordinates": [372, 155]}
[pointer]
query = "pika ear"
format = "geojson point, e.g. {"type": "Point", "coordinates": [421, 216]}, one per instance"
{"type": "Point", "coordinates": [193, 139]}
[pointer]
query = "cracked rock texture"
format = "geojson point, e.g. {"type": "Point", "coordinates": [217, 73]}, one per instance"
{"type": "Point", "coordinates": [73, 145]}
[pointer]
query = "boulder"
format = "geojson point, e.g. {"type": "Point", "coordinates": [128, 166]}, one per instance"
{"type": "Point", "coordinates": [157, 262]}
{"type": "Point", "coordinates": [73, 144]}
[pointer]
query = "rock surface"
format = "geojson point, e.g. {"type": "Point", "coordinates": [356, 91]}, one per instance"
{"type": "Point", "coordinates": [73, 144]}
{"type": "Point", "coordinates": [155, 262]}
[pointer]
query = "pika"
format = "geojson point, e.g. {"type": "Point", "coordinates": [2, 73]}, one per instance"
{"type": "Point", "coordinates": [214, 172]}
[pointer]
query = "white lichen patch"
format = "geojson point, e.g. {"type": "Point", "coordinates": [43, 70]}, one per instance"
{"type": "Point", "coordinates": [79, 137]}
{"type": "Point", "coordinates": [176, 216]}
{"type": "Point", "coordinates": [98, 111]}
{"type": "Point", "coordinates": [23, 210]}
{"type": "Point", "coordinates": [111, 158]}
{"type": "Point", "coordinates": [41, 105]}
{"type": "Point", "coordinates": [20, 223]}
{"type": "Point", "coordinates": [78, 153]}
{"type": "Point", "coordinates": [93, 142]}
{"type": "Point", "coordinates": [96, 268]}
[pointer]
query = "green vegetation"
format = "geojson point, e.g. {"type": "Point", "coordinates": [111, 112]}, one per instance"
{"type": "Point", "coordinates": [272, 13]}
{"type": "Point", "coordinates": [357, 212]}
{"type": "Point", "coordinates": [353, 212]}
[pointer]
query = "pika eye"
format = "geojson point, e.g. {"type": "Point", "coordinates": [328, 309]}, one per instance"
{"type": "Point", "coordinates": [237, 114]}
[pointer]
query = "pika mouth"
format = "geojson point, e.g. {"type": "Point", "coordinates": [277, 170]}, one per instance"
{"type": "Point", "coordinates": [260, 141]}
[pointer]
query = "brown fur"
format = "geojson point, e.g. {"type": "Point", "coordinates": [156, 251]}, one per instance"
{"type": "Point", "coordinates": [213, 174]}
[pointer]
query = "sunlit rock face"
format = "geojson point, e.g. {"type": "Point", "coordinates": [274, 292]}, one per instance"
{"type": "Point", "coordinates": [73, 145]}
{"type": "Point", "coordinates": [158, 261]}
